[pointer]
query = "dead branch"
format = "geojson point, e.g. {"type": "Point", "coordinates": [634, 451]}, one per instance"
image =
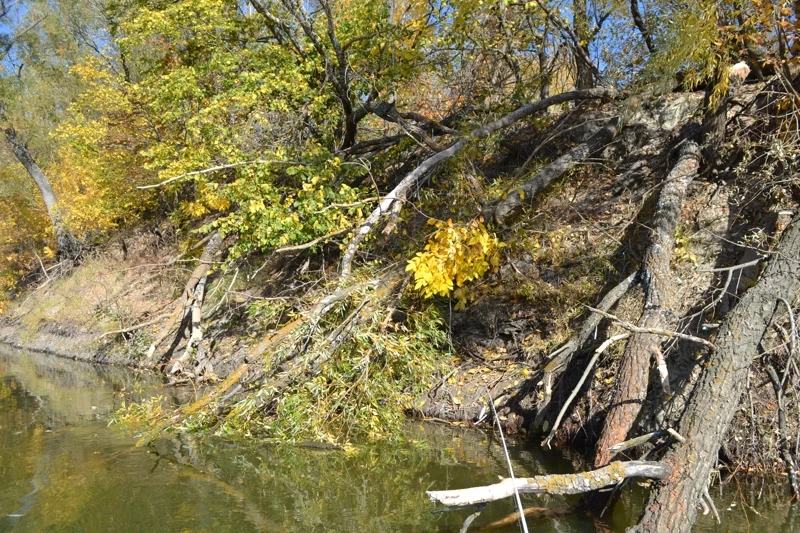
{"type": "Point", "coordinates": [309, 244]}
{"type": "Point", "coordinates": [222, 167]}
{"type": "Point", "coordinates": [638, 441]}
{"type": "Point", "coordinates": [187, 297]}
{"type": "Point", "coordinates": [652, 331]}
{"type": "Point", "coordinates": [401, 191]}
{"type": "Point", "coordinates": [560, 357]}
{"type": "Point", "coordinates": [152, 322]}
{"type": "Point", "coordinates": [531, 188]}
{"type": "Point", "coordinates": [561, 484]}
{"type": "Point", "coordinates": [608, 342]}
{"type": "Point", "coordinates": [663, 371]}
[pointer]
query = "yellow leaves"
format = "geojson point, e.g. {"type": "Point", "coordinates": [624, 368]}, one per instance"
{"type": "Point", "coordinates": [256, 206]}
{"type": "Point", "coordinates": [453, 256]}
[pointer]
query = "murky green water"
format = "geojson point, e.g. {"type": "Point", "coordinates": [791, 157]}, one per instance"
{"type": "Point", "coordinates": [62, 469]}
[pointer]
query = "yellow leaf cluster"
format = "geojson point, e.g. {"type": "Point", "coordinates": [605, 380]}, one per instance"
{"type": "Point", "coordinates": [453, 256]}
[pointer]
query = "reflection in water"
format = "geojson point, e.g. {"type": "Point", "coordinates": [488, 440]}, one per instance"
{"type": "Point", "coordinates": [63, 470]}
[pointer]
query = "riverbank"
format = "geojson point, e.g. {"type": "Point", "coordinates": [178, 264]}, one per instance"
{"type": "Point", "coordinates": [294, 351]}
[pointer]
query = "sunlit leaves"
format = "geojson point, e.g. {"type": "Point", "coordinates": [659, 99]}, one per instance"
{"type": "Point", "coordinates": [453, 256]}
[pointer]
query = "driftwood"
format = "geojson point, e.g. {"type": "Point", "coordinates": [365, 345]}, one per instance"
{"type": "Point", "coordinates": [553, 484]}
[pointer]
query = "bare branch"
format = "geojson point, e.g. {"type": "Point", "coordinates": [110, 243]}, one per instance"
{"type": "Point", "coordinates": [578, 483]}
{"type": "Point", "coordinates": [581, 381]}
{"type": "Point", "coordinates": [402, 189]}
{"type": "Point", "coordinates": [653, 331]}
{"type": "Point", "coordinates": [309, 244]}
{"type": "Point", "coordinates": [223, 167]}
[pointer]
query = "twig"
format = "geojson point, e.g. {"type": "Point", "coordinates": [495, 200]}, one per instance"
{"type": "Point", "coordinates": [638, 441]}
{"type": "Point", "coordinates": [736, 267]}
{"type": "Point", "coordinates": [354, 204]}
{"type": "Point", "coordinates": [653, 331]}
{"type": "Point", "coordinates": [707, 496]}
{"type": "Point", "coordinates": [577, 388]}
{"type": "Point", "coordinates": [134, 328]}
{"type": "Point", "coordinates": [522, 522]}
{"type": "Point", "coordinates": [223, 167]}
{"type": "Point", "coordinates": [471, 518]}
{"type": "Point", "coordinates": [309, 244]}
{"type": "Point", "coordinates": [44, 270]}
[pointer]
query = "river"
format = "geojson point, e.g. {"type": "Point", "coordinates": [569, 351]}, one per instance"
{"type": "Point", "coordinates": [64, 469]}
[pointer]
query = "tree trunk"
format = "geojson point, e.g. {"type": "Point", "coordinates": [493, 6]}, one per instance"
{"type": "Point", "coordinates": [528, 190]}
{"type": "Point", "coordinates": [583, 72]}
{"type": "Point", "coordinates": [638, 20]}
{"type": "Point", "coordinates": [68, 246]}
{"type": "Point", "coordinates": [714, 122]}
{"type": "Point", "coordinates": [634, 370]}
{"type": "Point", "coordinates": [671, 508]}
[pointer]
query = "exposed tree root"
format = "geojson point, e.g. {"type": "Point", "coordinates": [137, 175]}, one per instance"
{"type": "Point", "coordinates": [579, 483]}
{"type": "Point", "coordinates": [671, 508]}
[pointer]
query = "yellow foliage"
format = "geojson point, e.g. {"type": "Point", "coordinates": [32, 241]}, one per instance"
{"type": "Point", "coordinates": [453, 256]}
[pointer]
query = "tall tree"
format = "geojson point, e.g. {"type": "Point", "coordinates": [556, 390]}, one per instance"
{"type": "Point", "coordinates": [583, 70]}
{"type": "Point", "coordinates": [67, 243]}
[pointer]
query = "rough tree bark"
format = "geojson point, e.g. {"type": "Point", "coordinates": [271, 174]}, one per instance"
{"type": "Point", "coordinates": [671, 508]}
{"type": "Point", "coordinates": [583, 69]}
{"type": "Point", "coordinates": [632, 377]}
{"type": "Point", "coordinates": [68, 246]}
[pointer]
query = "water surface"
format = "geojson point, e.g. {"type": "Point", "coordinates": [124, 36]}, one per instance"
{"type": "Point", "coordinates": [63, 469]}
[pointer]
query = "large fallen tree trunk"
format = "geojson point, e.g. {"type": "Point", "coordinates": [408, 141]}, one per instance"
{"type": "Point", "coordinates": [579, 483]}
{"type": "Point", "coordinates": [634, 370]}
{"type": "Point", "coordinates": [402, 190]}
{"type": "Point", "coordinates": [531, 188]}
{"type": "Point", "coordinates": [672, 507]}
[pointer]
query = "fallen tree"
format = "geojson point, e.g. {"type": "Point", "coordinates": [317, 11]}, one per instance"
{"type": "Point", "coordinates": [191, 298]}
{"type": "Point", "coordinates": [400, 193]}
{"type": "Point", "coordinates": [655, 273]}
{"type": "Point", "coordinates": [671, 508]}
